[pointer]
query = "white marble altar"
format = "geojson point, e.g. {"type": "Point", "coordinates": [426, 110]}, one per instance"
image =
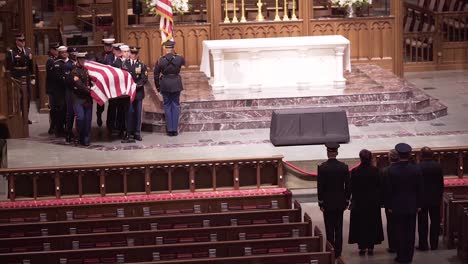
{"type": "Point", "coordinates": [268, 64]}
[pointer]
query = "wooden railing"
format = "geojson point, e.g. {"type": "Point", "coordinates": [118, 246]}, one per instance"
{"type": "Point", "coordinates": [14, 105]}
{"type": "Point", "coordinates": [434, 39]}
{"type": "Point", "coordinates": [148, 177]}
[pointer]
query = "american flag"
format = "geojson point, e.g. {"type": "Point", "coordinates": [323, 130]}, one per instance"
{"type": "Point", "coordinates": [109, 82]}
{"type": "Point", "coordinates": [164, 9]}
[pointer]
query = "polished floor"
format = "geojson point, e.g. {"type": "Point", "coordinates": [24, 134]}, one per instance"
{"type": "Point", "coordinates": [450, 87]}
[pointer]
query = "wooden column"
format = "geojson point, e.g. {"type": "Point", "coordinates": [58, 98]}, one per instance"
{"type": "Point", "coordinates": [306, 15]}
{"type": "Point", "coordinates": [397, 12]}
{"type": "Point", "coordinates": [120, 16]}
{"type": "Point", "coordinates": [26, 22]}
{"type": "Point", "coordinates": [213, 8]}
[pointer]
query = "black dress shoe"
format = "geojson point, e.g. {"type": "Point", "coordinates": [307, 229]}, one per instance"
{"type": "Point", "coordinates": [68, 139]}
{"type": "Point", "coordinates": [29, 122]}
{"type": "Point", "coordinates": [138, 137]}
{"type": "Point", "coordinates": [50, 131]}
{"type": "Point", "coordinates": [175, 133]}
{"type": "Point", "coordinates": [370, 252]}
{"type": "Point", "coordinates": [99, 122]}
{"type": "Point", "coordinates": [362, 252]}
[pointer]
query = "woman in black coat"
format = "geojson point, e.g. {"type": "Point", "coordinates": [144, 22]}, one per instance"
{"type": "Point", "coordinates": [365, 227]}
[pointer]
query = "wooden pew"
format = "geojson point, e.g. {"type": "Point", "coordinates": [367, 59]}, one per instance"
{"type": "Point", "coordinates": [462, 248]}
{"type": "Point", "coordinates": [451, 217]}
{"type": "Point", "coordinates": [150, 237]}
{"type": "Point", "coordinates": [280, 200]}
{"type": "Point", "coordinates": [101, 225]}
{"type": "Point", "coordinates": [172, 251]}
{"type": "Point", "coordinates": [295, 258]}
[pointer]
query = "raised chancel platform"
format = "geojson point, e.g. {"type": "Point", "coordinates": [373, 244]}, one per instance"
{"type": "Point", "coordinates": [371, 95]}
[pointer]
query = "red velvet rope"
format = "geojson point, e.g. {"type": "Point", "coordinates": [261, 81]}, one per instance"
{"type": "Point", "coordinates": [312, 174]}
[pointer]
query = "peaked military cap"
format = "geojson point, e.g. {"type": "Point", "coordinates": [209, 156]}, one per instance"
{"type": "Point", "coordinates": [169, 44]}
{"type": "Point", "coordinates": [134, 49]}
{"type": "Point", "coordinates": [116, 46]}
{"type": "Point", "coordinates": [403, 148]}
{"type": "Point", "coordinates": [54, 45]}
{"type": "Point", "coordinates": [332, 146]}
{"type": "Point", "coordinates": [108, 41]}
{"type": "Point", "coordinates": [72, 50]}
{"type": "Point", "coordinates": [81, 55]}
{"type": "Point", "coordinates": [20, 36]}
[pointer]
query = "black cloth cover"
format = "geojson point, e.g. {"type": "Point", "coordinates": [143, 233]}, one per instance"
{"type": "Point", "coordinates": [309, 126]}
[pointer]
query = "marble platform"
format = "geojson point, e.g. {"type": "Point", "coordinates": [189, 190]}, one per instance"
{"type": "Point", "coordinates": [372, 95]}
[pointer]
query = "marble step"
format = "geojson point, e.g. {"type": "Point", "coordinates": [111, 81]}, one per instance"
{"type": "Point", "coordinates": [434, 110]}
{"type": "Point", "coordinates": [189, 115]}
{"type": "Point", "coordinates": [307, 100]}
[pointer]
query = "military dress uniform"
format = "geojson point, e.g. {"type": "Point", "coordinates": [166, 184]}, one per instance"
{"type": "Point", "coordinates": [61, 74]}
{"type": "Point", "coordinates": [51, 86]}
{"type": "Point", "coordinates": [405, 190]}
{"type": "Point", "coordinates": [122, 102]}
{"type": "Point", "coordinates": [333, 191]}
{"type": "Point", "coordinates": [106, 58]}
{"type": "Point", "coordinates": [169, 84]}
{"type": "Point", "coordinates": [139, 72]}
{"type": "Point", "coordinates": [82, 101]}
{"type": "Point", "coordinates": [20, 64]}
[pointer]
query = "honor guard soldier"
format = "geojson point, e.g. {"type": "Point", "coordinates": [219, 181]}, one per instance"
{"type": "Point", "coordinates": [169, 84]}
{"type": "Point", "coordinates": [405, 200]}
{"type": "Point", "coordinates": [70, 114]}
{"type": "Point", "coordinates": [111, 121]}
{"type": "Point", "coordinates": [123, 102]}
{"type": "Point", "coordinates": [333, 193]}
{"type": "Point", "coordinates": [106, 58]}
{"type": "Point", "coordinates": [61, 73]}
{"type": "Point", "coordinates": [82, 100]}
{"type": "Point", "coordinates": [51, 85]}
{"type": "Point", "coordinates": [20, 64]}
{"type": "Point", "coordinates": [139, 72]}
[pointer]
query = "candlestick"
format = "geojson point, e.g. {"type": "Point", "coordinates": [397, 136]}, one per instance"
{"type": "Point", "coordinates": [285, 11]}
{"type": "Point", "coordinates": [226, 17]}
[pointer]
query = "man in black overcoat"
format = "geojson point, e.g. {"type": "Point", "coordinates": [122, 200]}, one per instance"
{"type": "Point", "coordinates": [433, 186]}
{"type": "Point", "coordinates": [333, 193]}
{"type": "Point", "coordinates": [405, 198]}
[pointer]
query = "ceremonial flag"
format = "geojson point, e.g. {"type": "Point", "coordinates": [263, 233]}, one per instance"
{"type": "Point", "coordinates": [109, 82]}
{"type": "Point", "coordinates": [164, 9]}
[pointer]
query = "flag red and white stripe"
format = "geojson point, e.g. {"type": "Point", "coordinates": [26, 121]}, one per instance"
{"type": "Point", "coordinates": [109, 82]}
{"type": "Point", "coordinates": [164, 9]}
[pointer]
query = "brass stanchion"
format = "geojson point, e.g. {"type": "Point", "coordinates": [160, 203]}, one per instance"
{"type": "Point", "coordinates": [243, 12]}
{"type": "Point", "coordinates": [234, 9]}
{"type": "Point", "coordinates": [277, 17]}
{"type": "Point", "coordinates": [260, 15]}
{"type": "Point", "coordinates": [293, 16]}
{"type": "Point", "coordinates": [226, 17]}
{"type": "Point", "coordinates": [285, 11]}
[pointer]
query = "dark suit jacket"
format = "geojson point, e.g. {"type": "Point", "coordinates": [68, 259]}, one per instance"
{"type": "Point", "coordinates": [404, 188]}
{"type": "Point", "coordinates": [333, 188]}
{"type": "Point", "coordinates": [433, 183]}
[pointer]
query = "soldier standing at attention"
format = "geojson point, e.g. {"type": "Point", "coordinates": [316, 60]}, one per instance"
{"type": "Point", "coordinates": [70, 114]}
{"type": "Point", "coordinates": [82, 100]}
{"type": "Point", "coordinates": [51, 86]}
{"type": "Point", "coordinates": [123, 102]}
{"type": "Point", "coordinates": [405, 190]}
{"type": "Point", "coordinates": [106, 58]}
{"type": "Point", "coordinates": [169, 84]}
{"type": "Point", "coordinates": [333, 193]}
{"type": "Point", "coordinates": [111, 121]}
{"type": "Point", "coordinates": [61, 74]}
{"type": "Point", "coordinates": [139, 72]}
{"type": "Point", "coordinates": [20, 64]}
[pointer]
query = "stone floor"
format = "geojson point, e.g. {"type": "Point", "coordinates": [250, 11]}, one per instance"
{"type": "Point", "coordinates": [450, 87]}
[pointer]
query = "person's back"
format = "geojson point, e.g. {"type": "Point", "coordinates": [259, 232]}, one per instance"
{"type": "Point", "coordinates": [405, 184]}
{"type": "Point", "coordinates": [433, 186]}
